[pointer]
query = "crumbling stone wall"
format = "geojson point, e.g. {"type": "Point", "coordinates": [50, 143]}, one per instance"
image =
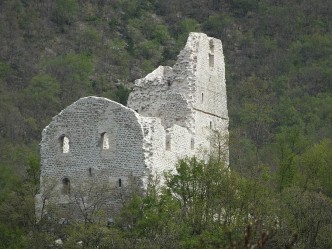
{"type": "Point", "coordinates": [190, 99]}
{"type": "Point", "coordinates": [171, 113]}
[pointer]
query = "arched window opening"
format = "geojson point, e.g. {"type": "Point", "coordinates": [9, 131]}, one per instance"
{"type": "Point", "coordinates": [168, 142]}
{"type": "Point", "coordinates": [105, 141]}
{"type": "Point", "coordinates": [65, 186]}
{"type": "Point", "coordinates": [64, 143]}
{"type": "Point", "coordinates": [119, 183]}
{"type": "Point", "coordinates": [202, 98]}
{"type": "Point", "coordinates": [90, 171]}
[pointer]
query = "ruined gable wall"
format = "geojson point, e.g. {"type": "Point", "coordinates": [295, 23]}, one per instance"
{"type": "Point", "coordinates": [168, 92]}
{"type": "Point", "coordinates": [155, 96]}
{"type": "Point", "coordinates": [149, 92]}
{"type": "Point", "coordinates": [83, 123]}
{"type": "Point", "coordinates": [190, 99]}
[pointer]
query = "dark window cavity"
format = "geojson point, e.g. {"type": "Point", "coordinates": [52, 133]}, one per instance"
{"type": "Point", "coordinates": [65, 186]}
{"type": "Point", "coordinates": [168, 142]}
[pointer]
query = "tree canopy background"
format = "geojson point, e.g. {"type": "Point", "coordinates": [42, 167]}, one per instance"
{"type": "Point", "coordinates": [278, 70]}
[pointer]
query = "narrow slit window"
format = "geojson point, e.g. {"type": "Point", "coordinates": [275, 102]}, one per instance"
{"type": "Point", "coordinates": [211, 61]}
{"type": "Point", "coordinates": [64, 144]}
{"type": "Point", "coordinates": [105, 141]}
{"type": "Point", "coordinates": [65, 186]}
{"type": "Point", "coordinates": [211, 45]}
{"type": "Point", "coordinates": [202, 98]}
{"type": "Point", "coordinates": [192, 143]}
{"type": "Point", "coordinates": [211, 54]}
{"type": "Point", "coordinates": [90, 171]}
{"type": "Point", "coordinates": [168, 142]}
{"type": "Point", "coordinates": [210, 124]}
{"type": "Point", "coordinates": [119, 183]}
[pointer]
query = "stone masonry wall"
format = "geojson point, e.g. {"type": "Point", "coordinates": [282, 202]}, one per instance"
{"type": "Point", "coordinates": [210, 105]}
{"type": "Point", "coordinates": [84, 123]}
{"type": "Point", "coordinates": [190, 99]}
{"type": "Point", "coordinates": [173, 113]}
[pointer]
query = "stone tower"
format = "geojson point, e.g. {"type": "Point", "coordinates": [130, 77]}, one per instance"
{"type": "Point", "coordinates": [190, 95]}
{"type": "Point", "coordinates": [172, 113]}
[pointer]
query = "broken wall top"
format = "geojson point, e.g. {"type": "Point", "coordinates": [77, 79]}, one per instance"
{"type": "Point", "coordinates": [196, 81]}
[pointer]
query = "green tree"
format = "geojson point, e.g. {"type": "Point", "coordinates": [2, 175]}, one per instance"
{"type": "Point", "coordinates": [256, 113]}
{"type": "Point", "coordinates": [290, 143]}
{"type": "Point", "coordinates": [17, 206]}
{"type": "Point", "coordinates": [218, 203]}
{"type": "Point", "coordinates": [309, 214]}
{"type": "Point", "coordinates": [72, 71]}
{"type": "Point", "coordinates": [66, 12]}
{"type": "Point", "coordinates": [315, 168]}
{"type": "Point", "coordinates": [42, 99]}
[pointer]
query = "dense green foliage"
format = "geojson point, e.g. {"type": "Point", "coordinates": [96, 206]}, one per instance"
{"type": "Point", "coordinates": [279, 81]}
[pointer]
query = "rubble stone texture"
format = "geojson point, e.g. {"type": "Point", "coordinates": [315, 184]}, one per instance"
{"type": "Point", "coordinates": [171, 113]}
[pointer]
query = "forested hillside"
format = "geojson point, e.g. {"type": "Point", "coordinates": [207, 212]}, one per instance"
{"type": "Point", "coordinates": [279, 80]}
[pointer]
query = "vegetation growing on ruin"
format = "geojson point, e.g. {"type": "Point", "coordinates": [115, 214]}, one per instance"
{"type": "Point", "coordinates": [279, 83]}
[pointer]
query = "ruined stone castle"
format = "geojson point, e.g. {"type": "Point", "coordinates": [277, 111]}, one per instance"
{"type": "Point", "coordinates": [171, 114]}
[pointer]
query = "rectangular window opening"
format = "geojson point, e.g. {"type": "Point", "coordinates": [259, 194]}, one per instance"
{"type": "Point", "coordinates": [64, 144]}
{"type": "Point", "coordinates": [65, 186]}
{"type": "Point", "coordinates": [211, 45]}
{"type": "Point", "coordinates": [211, 54]}
{"type": "Point", "coordinates": [105, 141]}
{"type": "Point", "coordinates": [211, 61]}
